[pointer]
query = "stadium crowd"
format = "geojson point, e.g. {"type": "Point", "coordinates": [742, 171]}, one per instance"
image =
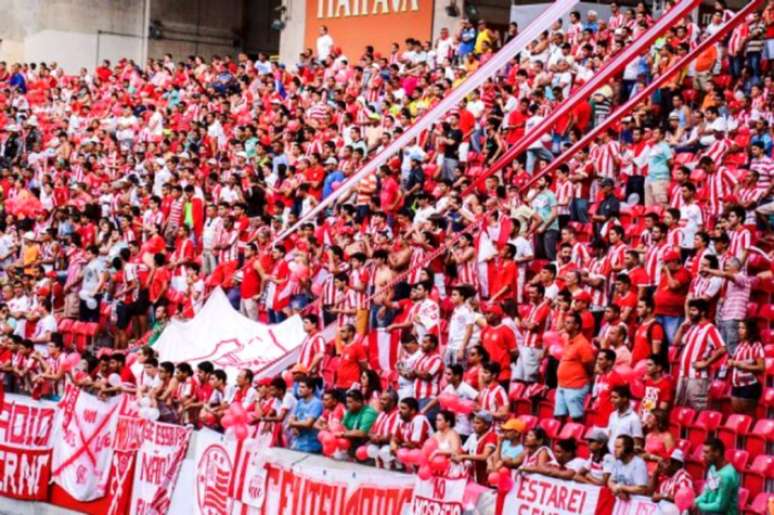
{"type": "Point", "coordinates": [610, 323]}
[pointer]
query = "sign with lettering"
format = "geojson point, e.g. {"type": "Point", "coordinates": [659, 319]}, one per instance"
{"type": "Point", "coordinates": [353, 24]}
{"type": "Point", "coordinates": [438, 495]}
{"type": "Point", "coordinates": [535, 494]}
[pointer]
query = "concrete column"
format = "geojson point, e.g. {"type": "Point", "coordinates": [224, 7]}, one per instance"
{"type": "Point", "coordinates": [292, 36]}
{"type": "Point", "coordinates": [441, 19]}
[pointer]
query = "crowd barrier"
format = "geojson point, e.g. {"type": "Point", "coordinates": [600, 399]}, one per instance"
{"type": "Point", "coordinates": [96, 456]}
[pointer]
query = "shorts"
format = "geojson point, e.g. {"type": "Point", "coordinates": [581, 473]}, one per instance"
{"type": "Point", "coordinates": [692, 392]}
{"type": "Point", "coordinates": [527, 366]}
{"type": "Point", "coordinates": [570, 401]}
{"type": "Point", "coordinates": [124, 315]}
{"type": "Point", "coordinates": [750, 392]}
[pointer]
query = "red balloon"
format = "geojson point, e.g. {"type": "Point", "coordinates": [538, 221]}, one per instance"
{"type": "Point", "coordinates": [625, 371]}
{"type": "Point", "coordinates": [429, 447]}
{"type": "Point", "coordinates": [207, 418]}
{"type": "Point", "coordinates": [638, 388]}
{"type": "Point", "coordinates": [465, 406]}
{"type": "Point", "coordinates": [329, 448]}
{"type": "Point", "coordinates": [424, 473]}
{"type": "Point", "coordinates": [238, 412]}
{"type": "Point", "coordinates": [403, 456]}
{"type": "Point", "coordinates": [227, 420]}
{"type": "Point", "coordinates": [493, 478]}
{"type": "Point", "coordinates": [504, 484]}
{"type": "Point", "coordinates": [416, 457]}
{"type": "Point", "coordinates": [342, 444]}
{"type": "Point", "coordinates": [325, 437]}
{"type": "Point", "coordinates": [684, 498]}
{"type": "Point", "coordinates": [446, 400]}
{"type": "Point", "coordinates": [439, 464]}
{"type": "Point", "coordinates": [361, 453]}
{"type": "Point", "coordinates": [556, 350]}
{"type": "Point", "coordinates": [550, 338]}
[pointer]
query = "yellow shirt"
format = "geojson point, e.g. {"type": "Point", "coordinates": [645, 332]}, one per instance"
{"type": "Point", "coordinates": [481, 38]}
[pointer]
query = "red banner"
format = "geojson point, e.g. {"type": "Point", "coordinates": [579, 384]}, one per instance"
{"type": "Point", "coordinates": [25, 447]}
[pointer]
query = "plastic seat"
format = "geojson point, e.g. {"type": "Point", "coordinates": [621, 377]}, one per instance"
{"type": "Point", "coordinates": [551, 426]}
{"type": "Point", "coordinates": [679, 419]}
{"type": "Point", "coordinates": [769, 362]}
{"type": "Point", "coordinates": [738, 458]}
{"type": "Point", "coordinates": [685, 446]}
{"type": "Point", "coordinates": [546, 406]}
{"type": "Point", "coordinates": [520, 404]}
{"type": "Point", "coordinates": [754, 478]}
{"type": "Point", "coordinates": [757, 440]}
{"type": "Point", "coordinates": [735, 426]}
{"type": "Point", "coordinates": [707, 422]}
{"type": "Point", "coordinates": [572, 430]}
{"type": "Point", "coordinates": [760, 504]}
{"type": "Point", "coordinates": [744, 494]}
{"type": "Point", "coordinates": [769, 350]}
{"type": "Point", "coordinates": [694, 462]}
{"type": "Point", "coordinates": [766, 312]}
{"type": "Point", "coordinates": [530, 421]}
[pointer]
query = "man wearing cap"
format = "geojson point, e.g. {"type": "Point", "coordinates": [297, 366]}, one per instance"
{"type": "Point", "coordinates": [510, 451]}
{"type": "Point", "coordinates": [677, 478]}
{"type": "Point", "coordinates": [599, 464]}
{"type": "Point", "coordinates": [700, 346]}
{"type": "Point", "coordinates": [670, 294]}
{"type": "Point", "coordinates": [574, 372]}
{"type": "Point", "coordinates": [479, 446]}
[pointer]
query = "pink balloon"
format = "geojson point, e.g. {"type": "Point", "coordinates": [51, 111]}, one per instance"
{"type": "Point", "coordinates": [439, 464]}
{"type": "Point", "coordinates": [556, 350]}
{"type": "Point", "coordinates": [403, 456]}
{"type": "Point", "coordinates": [550, 338]}
{"type": "Point", "coordinates": [493, 478]}
{"type": "Point", "coordinates": [417, 457]}
{"type": "Point", "coordinates": [684, 498]}
{"type": "Point", "coordinates": [504, 483]}
{"type": "Point", "coordinates": [316, 289]}
{"type": "Point", "coordinates": [329, 448]}
{"type": "Point", "coordinates": [238, 413]}
{"type": "Point", "coordinates": [240, 431]}
{"type": "Point", "coordinates": [71, 361]}
{"type": "Point", "coordinates": [465, 406]}
{"type": "Point", "coordinates": [640, 369]}
{"type": "Point", "coordinates": [424, 473]}
{"type": "Point", "coordinates": [343, 444]}
{"type": "Point", "coordinates": [429, 447]}
{"type": "Point", "coordinates": [361, 453]}
{"type": "Point", "coordinates": [324, 437]}
{"type": "Point", "coordinates": [227, 420]}
{"type": "Point", "coordinates": [625, 371]}
{"type": "Point", "coordinates": [337, 426]}
{"type": "Point", "coordinates": [446, 400]}
{"type": "Point", "coordinates": [335, 185]}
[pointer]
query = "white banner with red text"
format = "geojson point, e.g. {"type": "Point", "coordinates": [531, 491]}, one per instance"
{"type": "Point", "coordinates": [438, 495]}
{"type": "Point", "coordinates": [641, 505]}
{"type": "Point", "coordinates": [534, 494]}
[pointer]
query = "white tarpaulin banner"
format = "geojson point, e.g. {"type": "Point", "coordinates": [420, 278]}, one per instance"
{"type": "Point", "coordinates": [231, 341]}
{"type": "Point", "coordinates": [83, 451]}
{"type": "Point", "coordinates": [158, 465]}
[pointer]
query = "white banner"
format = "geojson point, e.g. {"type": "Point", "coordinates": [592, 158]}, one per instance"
{"type": "Point", "coordinates": [158, 465]}
{"type": "Point", "coordinates": [231, 341]}
{"type": "Point", "coordinates": [84, 443]}
{"type": "Point", "coordinates": [641, 505]}
{"type": "Point", "coordinates": [215, 464]}
{"type": "Point", "coordinates": [542, 494]}
{"type": "Point", "coordinates": [438, 495]}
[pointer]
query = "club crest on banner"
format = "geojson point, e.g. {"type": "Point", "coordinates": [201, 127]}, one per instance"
{"type": "Point", "coordinates": [213, 474]}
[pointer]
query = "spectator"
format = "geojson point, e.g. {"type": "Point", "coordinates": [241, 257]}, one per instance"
{"type": "Point", "coordinates": [701, 346]}
{"type": "Point", "coordinates": [510, 451]}
{"type": "Point", "coordinates": [599, 464]}
{"type": "Point", "coordinates": [605, 379]}
{"type": "Point", "coordinates": [629, 474]}
{"type": "Point", "coordinates": [624, 420]}
{"type": "Point", "coordinates": [455, 385]}
{"type": "Point", "coordinates": [670, 294]}
{"type": "Point", "coordinates": [567, 463]}
{"type": "Point", "coordinates": [492, 397]}
{"type": "Point", "coordinates": [721, 489]}
{"type": "Point", "coordinates": [735, 300]}
{"type": "Point", "coordinates": [301, 422]}
{"type": "Point", "coordinates": [479, 447]}
{"type": "Point", "coordinates": [675, 478]}
{"type": "Point", "coordinates": [746, 363]}
{"type": "Point", "coordinates": [358, 419]}
{"type": "Point", "coordinates": [574, 373]}
{"type": "Point", "coordinates": [658, 387]}
{"type": "Point", "coordinates": [414, 430]}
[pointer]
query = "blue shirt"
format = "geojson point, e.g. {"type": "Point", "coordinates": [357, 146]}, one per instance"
{"type": "Point", "coordinates": [658, 162]}
{"type": "Point", "coordinates": [306, 441]}
{"type": "Point", "coordinates": [336, 175]}
{"type": "Point", "coordinates": [543, 203]}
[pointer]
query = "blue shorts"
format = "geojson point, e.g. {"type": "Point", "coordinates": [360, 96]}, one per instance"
{"type": "Point", "coordinates": [570, 401]}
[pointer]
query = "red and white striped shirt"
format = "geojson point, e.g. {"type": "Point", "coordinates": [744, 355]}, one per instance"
{"type": "Point", "coordinates": [415, 431]}
{"type": "Point", "coordinates": [654, 260]}
{"type": "Point", "coordinates": [765, 168]}
{"type": "Point", "coordinates": [538, 314]}
{"type": "Point", "coordinates": [604, 157]}
{"type": "Point", "coordinates": [493, 397]}
{"type": "Point", "coordinates": [705, 287]}
{"type": "Point", "coordinates": [428, 364]}
{"type": "Point", "coordinates": [564, 193]}
{"type": "Point", "coordinates": [386, 424]}
{"type": "Point", "coordinates": [741, 239]}
{"type": "Point", "coordinates": [229, 239]}
{"type": "Point", "coordinates": [681, 479]}
{"type": "Point", "coordinates": [717, 187]}
{"type": "Point", "coordinates": [415, 264]}
{"type": "Point", "coordinates": [599, 269]}
{"type": "Point", "coordinates": [580, 254]}
{"type": "Point", "coordinates": [313, 345]}
{"type": "Point", "coordinates": [700, 341]}
{"type": "Point", "coordinates": [747, 353]}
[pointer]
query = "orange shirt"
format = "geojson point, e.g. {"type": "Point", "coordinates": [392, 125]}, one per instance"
{"type": "Point", "coordinates": [577, 358]}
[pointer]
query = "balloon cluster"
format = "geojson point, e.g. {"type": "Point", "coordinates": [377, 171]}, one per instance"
{"type": "Point", "coordinates": [554, 343]}
{"type": "Point", "coordinates": [235, 421]}
{"type": "Point", "coordinates": [502, 480]}
{"type": "Point", "coordinates": [71, 361]}
{"type": "Point", "coordinates": [451, 402]}
{"type": "Point", "coordinates": [427, 461]}
{"type": "Point", "coordinates": [684, 498]}
{"type": "Point", "coordinates": [332, 443]}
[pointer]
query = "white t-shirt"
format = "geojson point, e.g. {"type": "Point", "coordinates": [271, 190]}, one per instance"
{"type": "Point", "coordinates": [324, 46]}
{"type": "Point", "coordinates": [691, 216]}
{"type": "Point", "coordinates": [626, 424]}
{"type": "Point", "coordinates": [531, 123]}
{"type": "Point", "coordinates": [462, 317]}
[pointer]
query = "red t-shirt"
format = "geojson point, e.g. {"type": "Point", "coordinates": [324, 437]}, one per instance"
{"type": "Point", "coordinates": [600, 394]}
{"type": "Point", "coordinates": [670, 301]}
{"type": "Point", "coordinates": [643, 338]}
{"type": "Point", "coordinates": [348, 371]}
{"type": "Point", "coordinates": [656, 392]}
{"type": "Point", "coordinates": [505, 276]}
{"type": "Point", "coordinates": [251, 281]}
{"type": "Point", "coordinates": [499, 342]}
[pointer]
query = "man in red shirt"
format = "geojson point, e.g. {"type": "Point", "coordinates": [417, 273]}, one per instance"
{"type": "Point", "coordinates": [250, 289]}
{"type": "Point", "coordinates": [500, 342]}
{"type": "Point", "coordinates": [605, 380]}
{"type": "Point", "coordinates": [504, 286]}
{"type": "Point", "coordinates": [649, 335]}
{"type": "Point", "coordinates": [659, 388]}
{"type": "Point", "coordinates": [669, 297]}
{"type": "Point", "coordinates": [353, 359]}
{"type": "Point", "coordinates": [625, 298]}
